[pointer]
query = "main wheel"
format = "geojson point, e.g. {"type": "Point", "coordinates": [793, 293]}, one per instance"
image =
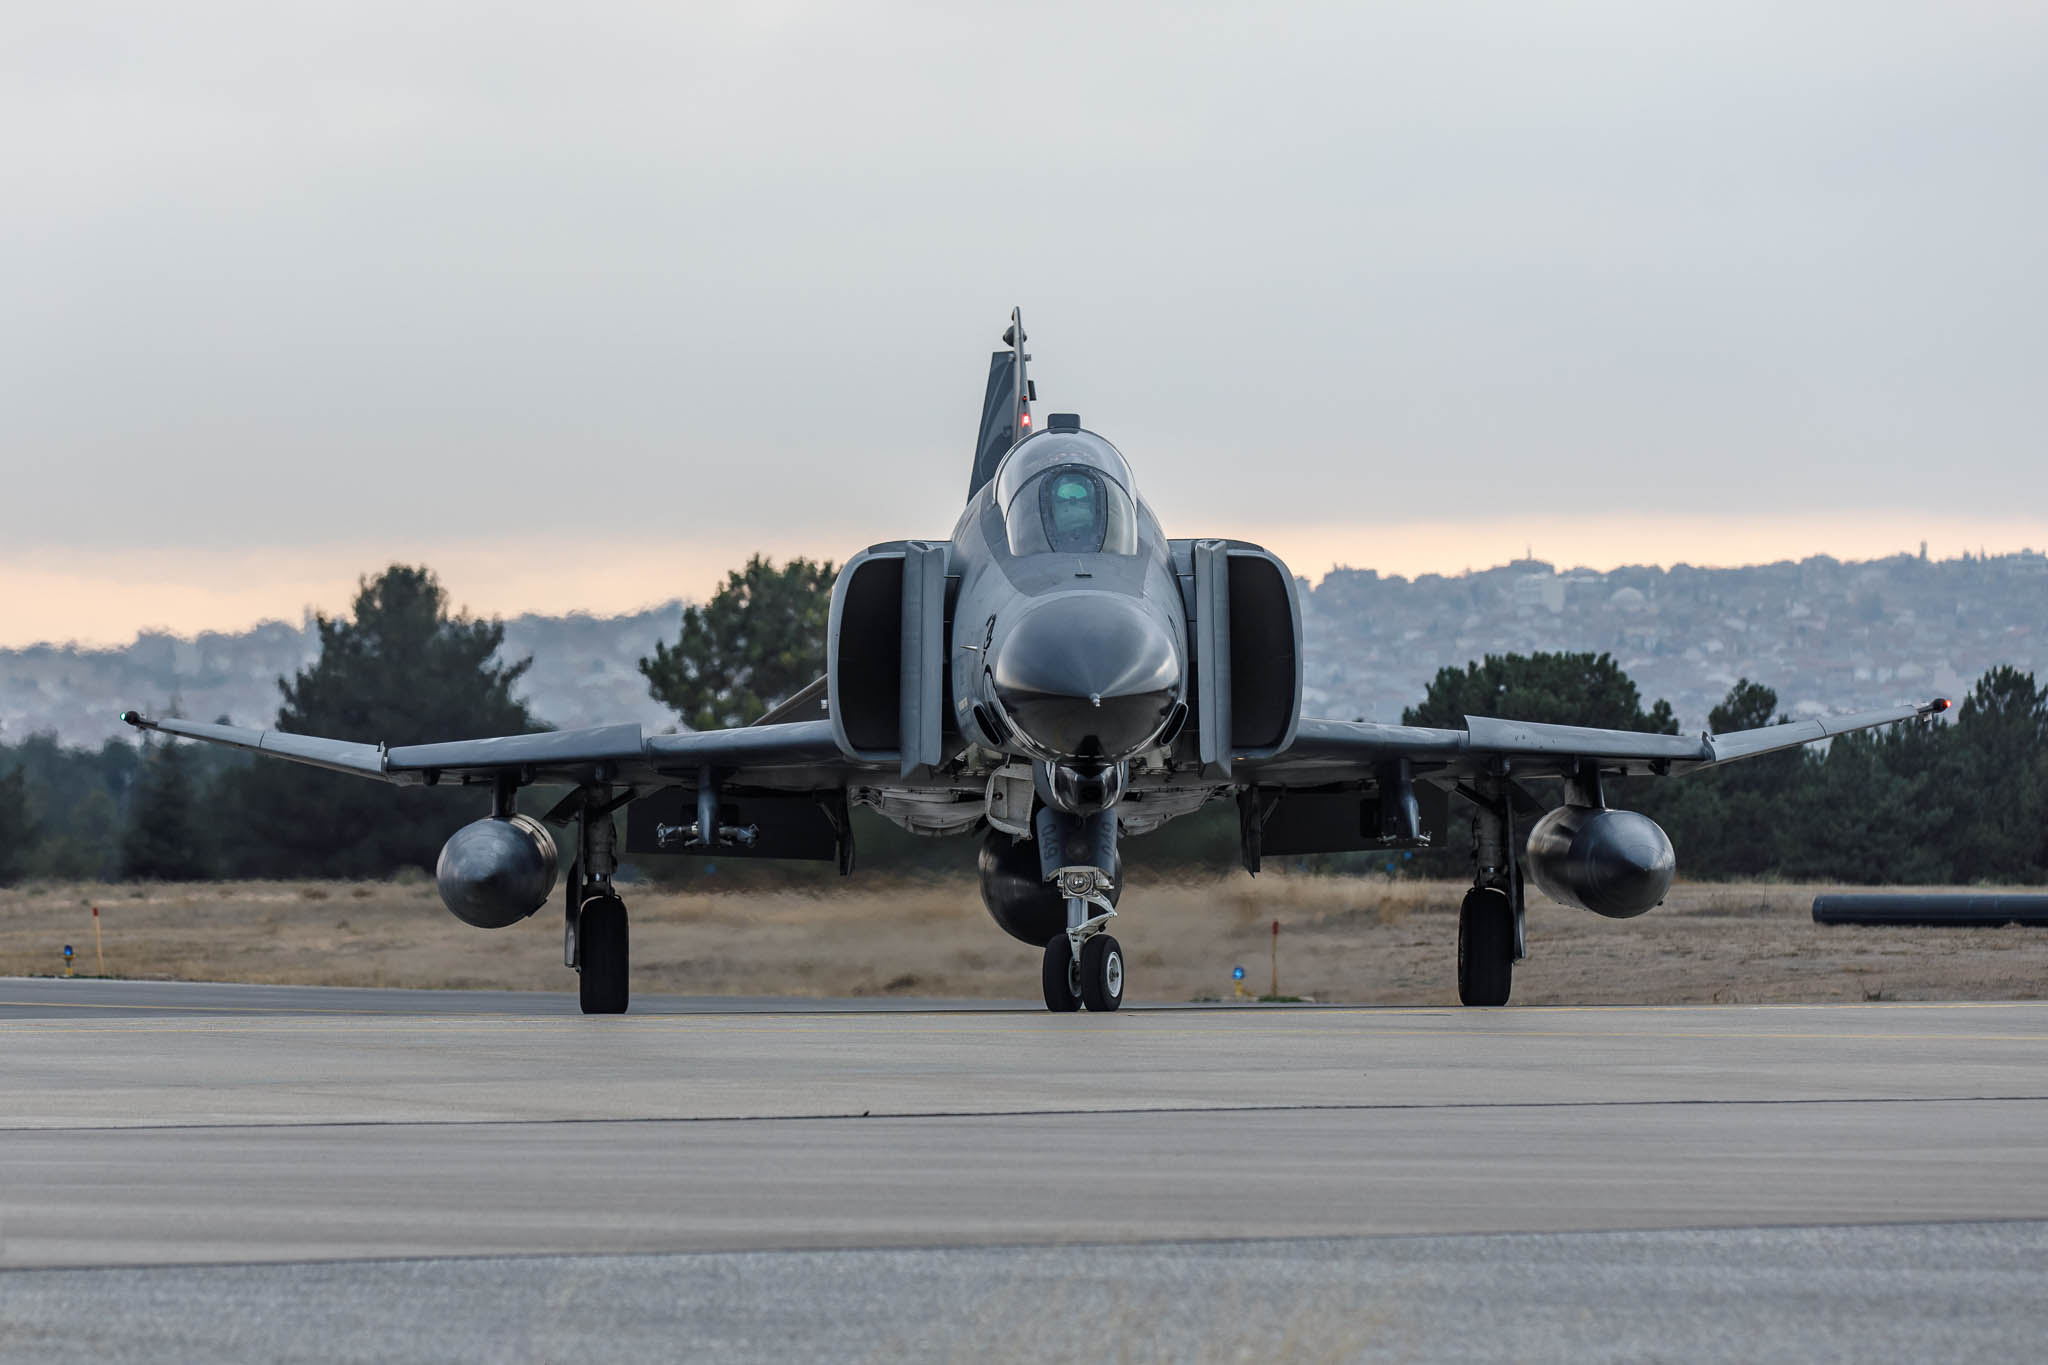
{"type": "Point", "coordinates": [1061, 976]}
{"type": "Point", "coordinates": [1486, 947]}
{"type": "Point", "coordinates": [601, 956]}
{"type": "Point", "coordinates": [1102, 973]}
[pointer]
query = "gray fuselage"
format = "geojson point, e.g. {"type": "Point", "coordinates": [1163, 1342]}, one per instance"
{"type": "Point", "coordinates": [1069, 639]}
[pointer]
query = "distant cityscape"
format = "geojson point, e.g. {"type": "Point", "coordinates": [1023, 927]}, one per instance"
{"type": "Point", "coordinates": [585, 672]}
{"type": "Point", "coordinates": [1827, 635]}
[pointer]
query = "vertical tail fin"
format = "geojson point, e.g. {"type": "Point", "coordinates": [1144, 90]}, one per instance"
{"type": "Point", "coordinates": [1005, 407]}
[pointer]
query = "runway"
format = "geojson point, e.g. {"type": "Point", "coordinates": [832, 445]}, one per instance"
{"type": "Point", "coordinates": [1331, 1168]}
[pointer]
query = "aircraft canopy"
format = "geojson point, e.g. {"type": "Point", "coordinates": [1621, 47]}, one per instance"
{"type": "Point", "coordinates": [1067, 492]}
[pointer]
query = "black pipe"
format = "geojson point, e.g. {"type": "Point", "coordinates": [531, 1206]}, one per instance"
{"type": "Point", "coordinates": [1966, 911]}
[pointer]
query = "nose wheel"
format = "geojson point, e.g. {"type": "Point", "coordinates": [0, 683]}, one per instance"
{"type": "Point", "coordinates": [1094, 979]}
{"type": "Point", "coordinates": [1061, 976]}
{"type": "Point", "coordinates": [1102, 973]}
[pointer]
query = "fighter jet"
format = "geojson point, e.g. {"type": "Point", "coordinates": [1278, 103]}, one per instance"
{"type": "Point", "coordinates": [1058, 676]}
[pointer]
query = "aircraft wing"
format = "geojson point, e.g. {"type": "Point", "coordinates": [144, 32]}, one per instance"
{"type": "Point", "coordinates": [1333, 750]}
{"type": "Point", "coordinates": [795, 753]}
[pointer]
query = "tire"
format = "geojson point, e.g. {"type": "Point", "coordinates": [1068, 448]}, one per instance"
{"type": "Point", "coordinates": [1102, 974]}
{"type": "Point", "coordinates": [1486, 947]}
{"type": "Point", "coordinates": [602, 958]}
{"type": "Point", "coordinates": [1058, 976]}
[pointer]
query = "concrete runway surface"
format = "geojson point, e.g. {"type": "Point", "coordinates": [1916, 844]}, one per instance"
{"type": "Point", "coordinates": [264, 1173]}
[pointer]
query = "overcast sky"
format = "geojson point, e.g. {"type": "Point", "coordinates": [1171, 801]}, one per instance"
{"type": "Point", "coordinates": [581, 303]}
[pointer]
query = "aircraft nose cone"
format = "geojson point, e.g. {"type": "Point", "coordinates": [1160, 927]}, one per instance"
{"type": "Point", "coordinates": [1087, 676]}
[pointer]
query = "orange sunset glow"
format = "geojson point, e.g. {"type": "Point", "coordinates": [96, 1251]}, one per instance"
{"type": "Point", "coordinates": [107, 596]}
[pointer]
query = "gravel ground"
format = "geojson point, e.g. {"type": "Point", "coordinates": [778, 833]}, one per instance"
{"type": "Point", "coordinates": [1361, 940]}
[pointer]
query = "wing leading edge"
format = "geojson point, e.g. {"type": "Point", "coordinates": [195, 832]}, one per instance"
{"type": "Point", "coordinates": [610, 753]}
{"type": "Point", "coordinates": [1327, 750]}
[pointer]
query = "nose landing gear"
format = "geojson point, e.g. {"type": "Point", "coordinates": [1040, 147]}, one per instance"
{"type": "Point", "coordinates": [1084, 966]}
{"type": "Point", "coordinates": [1095, 979]}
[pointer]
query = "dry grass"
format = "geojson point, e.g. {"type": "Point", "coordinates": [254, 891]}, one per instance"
{"type": "Point", "coordinates": [1342, 939]}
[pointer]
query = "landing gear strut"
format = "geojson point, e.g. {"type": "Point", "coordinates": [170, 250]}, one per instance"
{"type": "Point", "coordinates": [595, 940]}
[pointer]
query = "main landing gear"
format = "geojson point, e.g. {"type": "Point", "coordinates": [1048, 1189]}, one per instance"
{"type": "Point", "coordinates": [1486, 947]}
{"type": "Point", "coordinates": [602, 956]}
{"type": "Point", "coordinates": [595, 940]}
{"type": "Point", "coordinates": [1490, 920]}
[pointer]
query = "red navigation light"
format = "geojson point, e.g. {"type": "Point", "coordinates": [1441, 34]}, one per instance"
{"type": "Point", "coordinates": [1942, 703]}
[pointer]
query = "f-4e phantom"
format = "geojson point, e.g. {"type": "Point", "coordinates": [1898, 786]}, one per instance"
{"type": "Point", "coordinates": [1058, 676]}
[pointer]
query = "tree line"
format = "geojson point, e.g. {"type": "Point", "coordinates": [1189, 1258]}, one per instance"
{"type": "Point", "coordinates": [1952, 800]}
{"type": "Point", "coordinates": [401, 668]}
{"type": "Point", "coordinates": [1925, 801]}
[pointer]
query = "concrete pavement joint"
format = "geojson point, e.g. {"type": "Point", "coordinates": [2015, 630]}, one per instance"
{"type": "Point", "coordinates": [1222, 1110]}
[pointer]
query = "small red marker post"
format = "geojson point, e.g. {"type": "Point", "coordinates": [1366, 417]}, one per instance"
{"type": "Point", "coordinates": [1276, 959]}
{"type": "Point", "coordinates": [98, 957]}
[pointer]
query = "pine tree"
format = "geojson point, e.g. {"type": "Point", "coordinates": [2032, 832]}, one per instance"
{"type": "Point", "coordinates": [162, 841]}
{"type": "Point", "coordinates": [1732, 821]}
{"type": "Point", "coordinates": [1993, 773]}
{"type": "Point", "coordinates": [1557, 689]}
{"type": "Point", "coordinates": [17, 826]}
{"type": "Point", "coordinates": [88, 848]}
{"type": "Point", "coordinates": [400, 670]}
{"type": "Point", "coordinates": [758, 641]}
{"type": "Point", "coordinates": [75, 797]}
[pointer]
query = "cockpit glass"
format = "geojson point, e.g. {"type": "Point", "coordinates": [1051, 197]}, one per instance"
{"type": "Point", "coordinates": [1072, 509]}
{"type": "Point", "coordinates": [1067, 492]}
